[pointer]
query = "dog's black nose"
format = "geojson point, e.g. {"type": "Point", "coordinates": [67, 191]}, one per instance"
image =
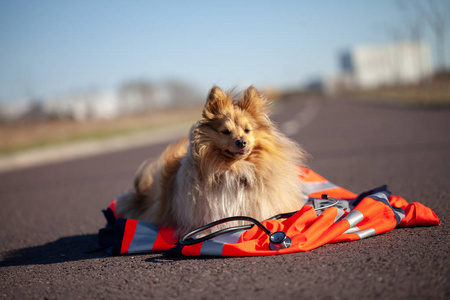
{"type": "Point", "coordinates": [241, 143]}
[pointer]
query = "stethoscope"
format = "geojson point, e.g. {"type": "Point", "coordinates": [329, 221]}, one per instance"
{"type": "Point", "coordinates": [277, 240]}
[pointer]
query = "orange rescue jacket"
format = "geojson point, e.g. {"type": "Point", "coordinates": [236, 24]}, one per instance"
{"type": "Point", "coordinates": [354, 218]}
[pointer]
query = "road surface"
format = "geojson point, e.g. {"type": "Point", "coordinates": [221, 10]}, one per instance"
{"type": "Point", "coordinates": [51, 213]}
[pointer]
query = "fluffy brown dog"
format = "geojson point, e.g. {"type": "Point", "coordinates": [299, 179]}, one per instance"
{"type": "Point", "coordinates": [235, 163]}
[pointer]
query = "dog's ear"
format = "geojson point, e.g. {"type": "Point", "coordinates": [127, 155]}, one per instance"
{"type": "Point", "coordinates": [216, 102]}
{"type": "Point", "coordinates": [253, 102]}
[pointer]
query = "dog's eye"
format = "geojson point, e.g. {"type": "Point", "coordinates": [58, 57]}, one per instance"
{"type": "Point", "coordinates": [226, 131]}
{"type": "Point", "coordinates": [247, 130]}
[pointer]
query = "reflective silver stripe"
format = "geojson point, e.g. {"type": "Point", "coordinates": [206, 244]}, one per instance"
{"type": "Point", "coordinates": [379, 195]}
{"type": "Point", "coordinates": [352, 230]}
{"type": "Point", "coordinates": [214, 246]}
{"type": "Point", "coordinates": [313, 187]}
{"type": "Point", "coordinates": [211, 248]}
{"type": "Point", "coordinates": [229, 238]}
{"type": "Point", "coordinates": [362, 233]}
{"type": "Point", "coordinates": [400, 214]}
{"type": "Point", "coordinates": [339, 215]}
{"type": "Point", "coordinates": [366, 233]}
{"type": "Point", "coordinates": [354, 217]}
{"type": "Point", "coordinates": [144, 237]}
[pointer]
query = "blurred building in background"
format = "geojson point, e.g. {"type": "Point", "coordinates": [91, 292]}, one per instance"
{"type": "Point", "coordinates": [133, 97]}
{"type": "Point", "coordinates": [374, 66]}
{"type": "Point", "coordinates": [394, 64]}
{"type": "Point", "coordinates": [81, 106]}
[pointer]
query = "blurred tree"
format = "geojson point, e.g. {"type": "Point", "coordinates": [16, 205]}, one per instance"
{"type": "Point", "coordinates": [180, 93]}
{"type": "Point", "coordinates": [437, 21]}
{"type": "Point", "coordinates": [435, 14]}
{"type": "Point", "coordinates": [137, 96]}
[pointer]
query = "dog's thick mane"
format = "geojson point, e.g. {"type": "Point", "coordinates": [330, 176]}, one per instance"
{"type": "Point", "coordinates": [194, 183]}
{"type": "Point", "coordinates": [221, 106]}
{"type": "Point", "coordinates": [270, 169]}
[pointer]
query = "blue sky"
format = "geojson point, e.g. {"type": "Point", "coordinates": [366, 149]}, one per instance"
{"type": "Point", "coordinates": [56, 47]}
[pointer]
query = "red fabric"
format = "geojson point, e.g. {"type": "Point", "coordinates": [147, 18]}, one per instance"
{"type": "Point", "coordinates": [130, 228]}
{"type": "Point", "coordinates": [112, 206]}
{"type": "Point", "coordinates": [416, 214]}
{"type": "Point", "coordinates": [165, 239]}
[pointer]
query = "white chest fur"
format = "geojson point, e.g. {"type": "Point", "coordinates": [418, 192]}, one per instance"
{"type": "Point", "coordinates": [230, 193]}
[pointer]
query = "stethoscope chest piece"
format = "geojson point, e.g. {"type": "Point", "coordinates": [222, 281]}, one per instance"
{"type": "Point", "coordinates": [279, 240]}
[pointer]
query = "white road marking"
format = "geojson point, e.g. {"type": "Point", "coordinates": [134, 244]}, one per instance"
{"type": "Point", "coordinates": [302, 118]}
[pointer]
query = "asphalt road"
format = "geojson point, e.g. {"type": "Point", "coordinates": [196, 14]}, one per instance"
{"type": "Point", "coordinates": [50, 215]}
